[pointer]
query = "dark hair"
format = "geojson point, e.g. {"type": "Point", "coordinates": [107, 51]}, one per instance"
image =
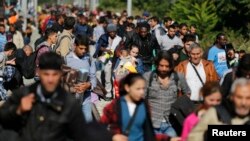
{"type": "Point", "coordinates": [219, 35]}
{"type": "Point", "coordinates": [82, 40]}
{"type": "Point", "coordinates": [48, 32]}
{"type": "Point", "coordinates": [166, 19]}
{"type": "Point", "coordinates": [102, 20]}
{"type": "Point", "coordinates": [2, 25]}
{"type": "Point", "coordinates": [208, 89]}
{"type": "Point", "coordinates": [129, 80]}
{"type": "Point", "coordinates": [182, 25]}
{"type": "Point", "coordinates": [244, 66]}
{"type": "Point", "coordinates": [165, 55]}
{"type": "Point", "coordinates": [131, 25]}
{"type": "Point", "coordinates": [58, 16]}
{"type": "Point", "coordinates": [171, 26]}
{"type": "Point", "coordinates": [154, 18]}
{"type": "Point", "coordinates": [188, 37]}
{"type": "Point", "coordinates": [69, 23]}
{"type": "Point", "coordinates": [144, 25]}
{"type": "Point", "coordinates": [10, 46]}
{"type": "Point", "coordinates": [193, 25]}
{"type": "Point", "coordinates": [130, 18]}
{"type": "Point", "coordinates": [134, 46]}
{"type": "Point", "coordinates": [51, 61]}
{"type": "Point", "coordinates": [242, 51]}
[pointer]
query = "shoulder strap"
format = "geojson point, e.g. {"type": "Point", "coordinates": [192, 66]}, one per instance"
{"type": "Point", "coordinates": [59, 42]}
{"type": "Point", "coordinates": [176, 78]}
{"type": "Point", "coordinates": [197, 73]}
{"type": "Point", "coordinates": [150, 82]}
{"type": "Point", "coordinates": [223, 114]}
{"type": "Point", "coordinates": [130, 123]}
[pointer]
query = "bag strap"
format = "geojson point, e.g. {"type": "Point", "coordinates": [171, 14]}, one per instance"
{"type": "Point", "coordinates": [150, 82]}
{"type": "Point", "coordinates": [223, 114]}
{"type": "Point", "coordinates": [197, 73]}
{"type": "Point", "coordinates": [59, 42]}
{"type": "Point", "coordinates": [130, 123]}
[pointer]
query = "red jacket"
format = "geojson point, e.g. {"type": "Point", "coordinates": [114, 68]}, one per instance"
{"type": "Point", "coordinates": [112, 118]}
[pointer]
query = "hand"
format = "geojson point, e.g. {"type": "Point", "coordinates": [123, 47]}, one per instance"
{"type": "Point", "coordinates": [82, 87]}
{"type": "Point", "coordinates": [109, 52]}
{"type": "Point", "coordinates": [11, 62]}
{"type": "Point", "coordinates": [119, 137]}
{"type": "Point", "coordinates": [175, 139]}
{"type": "Point", "coordinates": [26, 104]}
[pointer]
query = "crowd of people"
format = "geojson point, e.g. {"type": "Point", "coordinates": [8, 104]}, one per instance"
{"type": "Point", "coordinates": [161, 83]}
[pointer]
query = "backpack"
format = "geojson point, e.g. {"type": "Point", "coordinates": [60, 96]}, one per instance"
{"type": "Point", "coordinates": [59, 42]}
{"type": "Point", "coordinates": [28, 66]}
{"type": "Point", "coordinates": [50, 23]}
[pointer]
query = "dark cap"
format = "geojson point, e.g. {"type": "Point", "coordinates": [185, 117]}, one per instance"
{"type": "Point", "coordinates": [146, 14]}
{"type": "Point", "coordinates": [111, 28]}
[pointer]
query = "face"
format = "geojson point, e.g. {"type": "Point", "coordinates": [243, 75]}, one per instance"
{"type": "Point", "coordinates": [183, 30]}
{"type": "Point", "coordinates": [61, 20]}
{"type": "Point", "coordinates": [12, 29]}
{"type": "Point", "coordinates": [28, 51]}
{"type": "Point", "coordinates": [231, 54]}
{"type": "Point", "coordinates": [137, 90]}
{"type": "Point", "coordinates": [143, 32]}
{"type": "Point", "coordinates": [124, 53]}
{"type": "Point", "coordinates": [222, 41]}
{"type": "Point", "coordinates": [196, 55]}
{"type": "Point", "coordinates": [241, 100]}
{"type": "Point", "coordinates": [112, 34]}
{"type": "Point", "coordinates": [213, 99]}
{"type": "Point", "coordinates": [53, 38]}
{"type": "Point", "coordinates": [193, 30]}
{"type": "Point", "coordinates": [163, 67]}
{"type": "Point", "coordinates": [2, 29]}
{"type": "Point", "coordinates": [168, 23]}
{"type": "Point", "coordinates": [152, 23]}
{"type": "Point", "coordinates": [241, 55]}
{"type": "Point", "coordinates": [50, 79]}
{"type": "Point", "coordinates": [134, 52]}
{"type": "Point", "coordinates": [83, 21]}
{"type": "Point", "coordinates": [115, 21]}
{"type": "Point", "coordinates": [128, 29]}
{"type": "Point", "coordinates": [10, 53]}
{"type": "Point", "coordinates": [187, 46]}
{"type": "Point", "coordinates": [80, 50]}
{"type": "Point", "coordinates": [171, 32]}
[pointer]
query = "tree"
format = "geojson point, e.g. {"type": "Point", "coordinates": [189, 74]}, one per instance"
{"type": "Point", "coordinates": [203, 14]}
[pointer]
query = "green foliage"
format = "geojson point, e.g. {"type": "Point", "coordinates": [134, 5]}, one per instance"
{"type": "Point", "coordinates": [234, 37]}
{"type": "Point", "coordinates": [202, 14]}
{"type": "Point", "coordinates": [112, 4]}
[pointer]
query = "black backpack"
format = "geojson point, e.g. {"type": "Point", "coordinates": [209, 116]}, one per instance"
{"type": "Point", "coordinates": [28, 66]}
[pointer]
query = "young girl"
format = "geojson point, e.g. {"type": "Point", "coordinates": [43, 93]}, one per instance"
{"type": "Point", "coordinates": [128, 117]}
{"type": "Point", "coordinates": [211, 93]}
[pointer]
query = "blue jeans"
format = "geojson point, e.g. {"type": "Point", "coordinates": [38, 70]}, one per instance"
{"type": "Point", "coordinates": [167, 129]}
{"type": "Point", "coordinates": [86, 107]}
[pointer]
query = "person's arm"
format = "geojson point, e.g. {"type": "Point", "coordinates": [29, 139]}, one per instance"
{"type": "Point", "coordinates": [65, 46]}
{"type": "Point", "coordinates": [183, 85]}
{"type": "Point", "coordinates": [12, 110]}
{"type": "Point", "coordinates": [139, 66]}
{"type": "Point", "coordinates": [209, 118]}
{"type": "Point", "coordinates": [76, 125]}
{"type": "Point", "coordinates": [92, 74]}
{"type": "Point", "coordinates": [21, 40]}
{"type": "Point", "coordinates": [226, 84]}
{"type": "Point", "coordinates": [211, 55]}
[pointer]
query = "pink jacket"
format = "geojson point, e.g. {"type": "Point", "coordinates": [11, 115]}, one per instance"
{"type": "Point", "coordinates": [188, 125]}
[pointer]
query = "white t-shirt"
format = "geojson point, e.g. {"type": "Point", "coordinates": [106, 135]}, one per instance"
{"type": "Point", "coordinates": [131, 108]}
{"type": "Point", "coordinates": [193, 80]}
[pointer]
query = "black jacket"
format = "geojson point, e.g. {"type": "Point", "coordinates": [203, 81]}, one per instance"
{"type": "Point", "coordinates": [146, 46]}
{"type": "Point", "coordinates": [58, 120]}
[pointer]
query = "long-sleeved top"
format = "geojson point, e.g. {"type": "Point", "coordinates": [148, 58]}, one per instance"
{"type": "Point", "coordinates": [17, 39]}
{"type": "Point", "coordinates": [146, 46]}
{"type": "Point", "coordinates": [57, 120]}
{"type": "Point", "coordinates": [66, 44]}
{"type": "Point", "coordinates": [169, 42]}
{"type": "Point", "coordinates": [98, 32]}
{"type": "Point", "coordinates": [84, 62]}
{"type": "Point", "coordinates": [161, 98]}
{"type": "Point", "coordinates": [3, 41]}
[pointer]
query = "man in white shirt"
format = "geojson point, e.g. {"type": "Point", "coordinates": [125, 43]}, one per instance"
{"type": "Point", "coordinates": [197, 71]}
